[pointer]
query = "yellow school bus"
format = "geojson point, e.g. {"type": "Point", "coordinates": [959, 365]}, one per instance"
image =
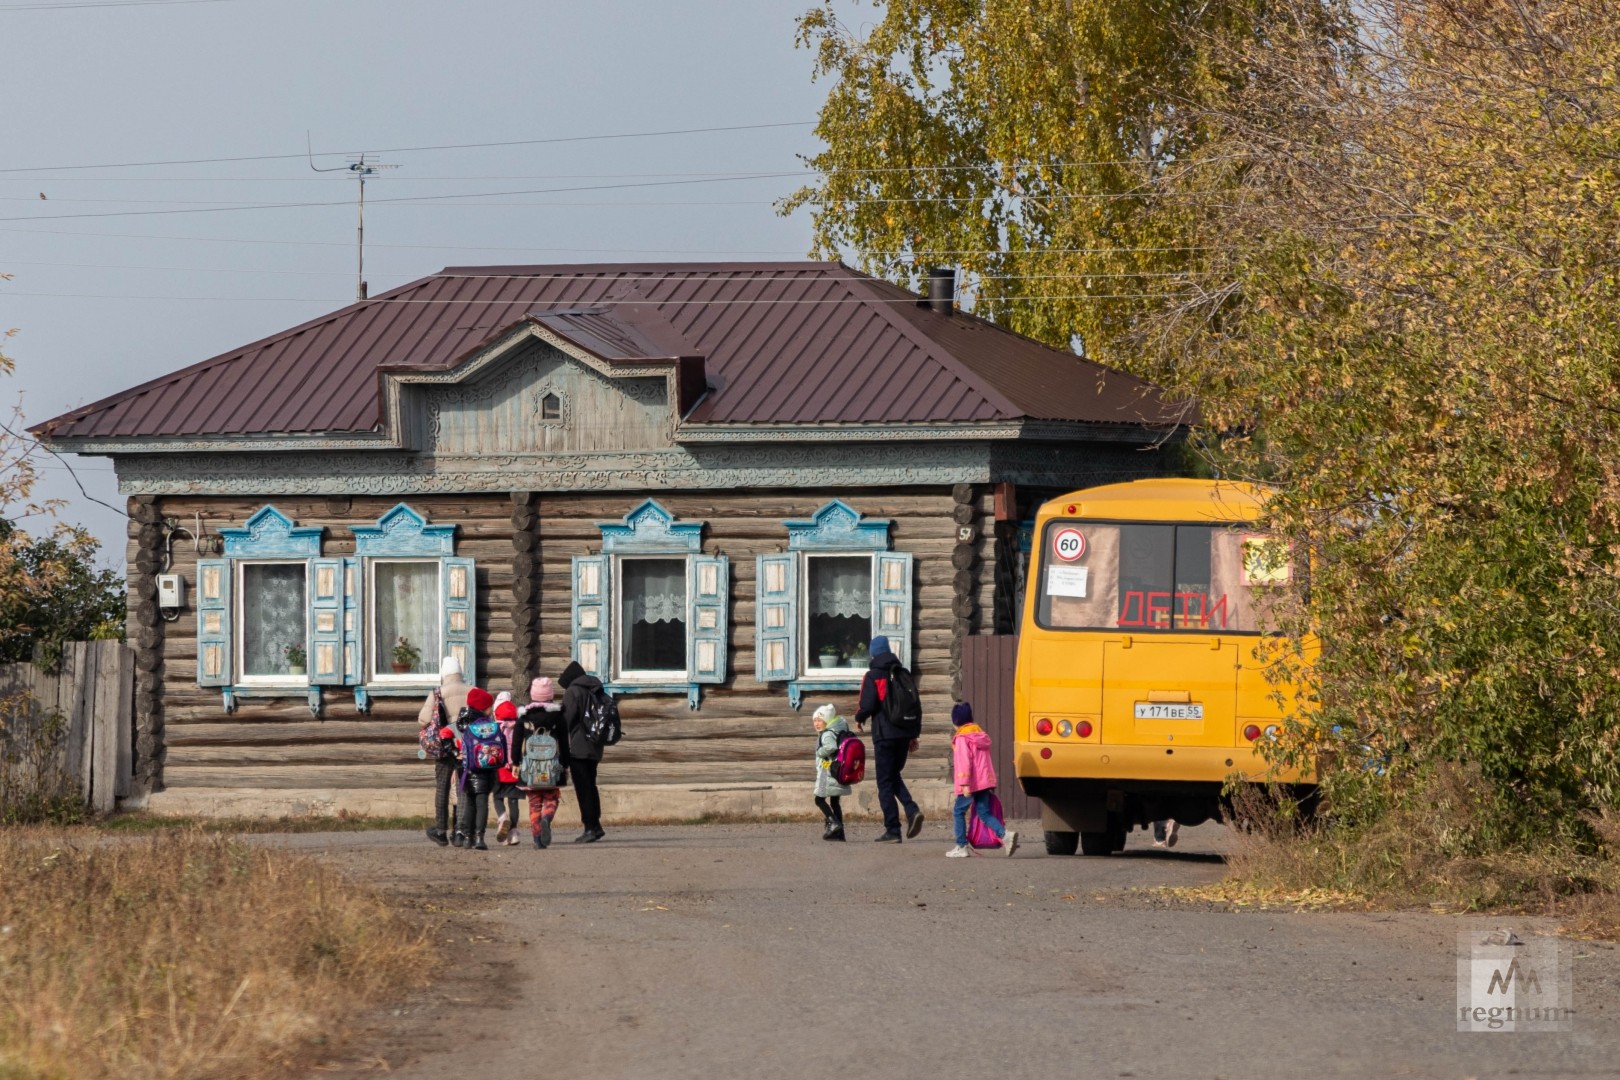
{"type": "Point", "coordinates": [1138, 689]}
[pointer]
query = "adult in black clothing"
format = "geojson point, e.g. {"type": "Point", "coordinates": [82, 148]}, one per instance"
{"type": "Point", "coordinates": [583, 755]}
{"type": "Point", "coordinates": [890, 745]}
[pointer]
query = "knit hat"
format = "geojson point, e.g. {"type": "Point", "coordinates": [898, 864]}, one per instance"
{"type": "Point", "coordinates": [962, 713]}
{"type": "Point", "coordinates": [478, 700]}
{"type": "Point", "coordinates": [879, 646]}
{"type": "Point", "coordinates": [505, 710]}
{"type": "Point", "coordinates": [541, 690]}
{"type": "Point", "coordinates": [449, 666]}
{"type": "Point", "coordinates": [826, 714]}
{"type": "Point", "coordinates": [504, 695]}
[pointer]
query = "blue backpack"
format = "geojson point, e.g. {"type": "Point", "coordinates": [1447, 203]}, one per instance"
{"type": "Point", "coordinates": [482, 747]}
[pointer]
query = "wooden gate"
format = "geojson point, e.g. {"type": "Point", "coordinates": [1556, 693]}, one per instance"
{"type": "Point", "coordinates": [988, 662]}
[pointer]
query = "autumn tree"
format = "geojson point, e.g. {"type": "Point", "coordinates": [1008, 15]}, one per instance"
{"type": "Point", "coordinates": [1407, 322]}
{"type": "Point", "coordinates": [1032, 143]}
{"type": "Point", "coordinates": [51, 591]}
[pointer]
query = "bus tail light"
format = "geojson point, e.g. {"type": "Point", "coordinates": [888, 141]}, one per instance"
{"type": "Point", "coordinates": [1046, 751]}
{"type": "Point", "coordinates": [1271, 731]}
{"type": "Point", "coordinates": [1083, 729]}
{"type": "Point", "coordinates": [1064, 727]}
{"type": "Point", "coordinates": [1252, 732]}
{"type": "Point", "coordinates": [1043, 726]}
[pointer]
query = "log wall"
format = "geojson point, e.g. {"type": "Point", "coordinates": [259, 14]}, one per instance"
{"type": "Point", "coordinates": [745, 732]}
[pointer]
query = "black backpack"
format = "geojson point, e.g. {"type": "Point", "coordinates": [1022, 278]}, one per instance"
{"type": "Point", "coordinates": [601, 718]}
{"type": "Point", "coordinates": [901, 704]}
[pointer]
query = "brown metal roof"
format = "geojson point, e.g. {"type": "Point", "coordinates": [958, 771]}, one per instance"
{"type": "Point", "coordinates": [796, 342]}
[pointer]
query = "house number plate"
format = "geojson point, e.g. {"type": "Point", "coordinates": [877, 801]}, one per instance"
{"type": "Point", "coordinates": [1158, 710]}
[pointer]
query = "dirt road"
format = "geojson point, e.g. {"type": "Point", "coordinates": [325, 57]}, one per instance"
{"type": "Point", "coordinates": [759, 951]}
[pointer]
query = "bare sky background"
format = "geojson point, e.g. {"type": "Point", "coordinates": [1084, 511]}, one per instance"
{"type": "Point", "coordinates": [112, 287]}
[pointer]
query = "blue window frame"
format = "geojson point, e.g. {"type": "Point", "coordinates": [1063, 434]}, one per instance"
{"type": "Point", "coordinates": [650, 613]}
{"type": "Point", "coordinates": [276, 618]}
{"type": "Point", "coordinates": [836, 587]}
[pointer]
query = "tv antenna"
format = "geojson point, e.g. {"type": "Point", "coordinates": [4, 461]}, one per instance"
{"type": "Point", "coordinates": [362, 167]}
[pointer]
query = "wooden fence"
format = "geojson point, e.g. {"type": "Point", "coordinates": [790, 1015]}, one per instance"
{"type": "Point", "coordinates": [75, 727]}
{"type": "Point", "coordinates": [988, 662]}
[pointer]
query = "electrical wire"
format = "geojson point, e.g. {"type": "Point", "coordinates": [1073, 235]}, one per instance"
{"type": "Point", "coordinates": [578, 276]}
{"type": "Point", "coordinates": [745, 302]}
{"type": "Point", "coordinates": [788, 252]}
{"type": "Point", "coordinates": [417, 149]}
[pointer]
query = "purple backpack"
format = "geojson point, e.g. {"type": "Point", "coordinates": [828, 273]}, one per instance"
{"type": "Point", "coordinates": [979, 834]}
{"type": "Point", "coordinates": [848, 765]}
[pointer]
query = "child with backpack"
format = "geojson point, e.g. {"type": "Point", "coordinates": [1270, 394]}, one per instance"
{"type": "Point", "coordinates": [482, 754]}
{"type": "Point", "coordinates": [975, 782]}
{"type": "Point", "coordinates": [833, 768]}
{"type": "Point", "coordinates": [543, 763]}
{"type": "Point", "coordinates": [506, 780]}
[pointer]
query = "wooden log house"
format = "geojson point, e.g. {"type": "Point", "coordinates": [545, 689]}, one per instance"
{"type": "Point", "coordinates": [711, 483]}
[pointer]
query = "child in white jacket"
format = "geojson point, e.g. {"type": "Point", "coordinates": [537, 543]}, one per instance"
{"type": "Point", "coordinates": [830, 731]}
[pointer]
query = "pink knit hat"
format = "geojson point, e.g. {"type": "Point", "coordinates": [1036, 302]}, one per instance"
{"type": "Point", "coordinates": [540, 690]}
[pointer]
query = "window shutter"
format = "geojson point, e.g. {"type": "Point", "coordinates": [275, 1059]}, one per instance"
{"type": "Point", "coordinates": [708, 631]}
{"type": "Point", "coordinates": [776, 654]}
{"type": "Point", "coordinates": [326, 597]}
{"type": "Point", "coordinates": [458, 609]}
{"type": "Point", "coordinates": [354, 619]}
{"type": "Point", "coordinates": [213, 622]}
{"type": "Point", "coordinates": [891, 602]}
{"type": "Point", "coordinates": [593, 613]}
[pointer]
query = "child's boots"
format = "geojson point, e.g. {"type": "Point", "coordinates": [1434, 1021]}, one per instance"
{"type": "Point", "coordinates": [834, 830]}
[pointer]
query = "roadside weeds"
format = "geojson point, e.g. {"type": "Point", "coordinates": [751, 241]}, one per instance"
{"type": "Point", "coordinates": [185, 955]}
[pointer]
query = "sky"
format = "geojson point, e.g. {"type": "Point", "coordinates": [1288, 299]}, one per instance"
{"type": "Point", "coordinates": [128, 270]}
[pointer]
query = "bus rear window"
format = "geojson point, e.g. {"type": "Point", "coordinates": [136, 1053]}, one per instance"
{"type": "Point", "coordinates": [1130, 576]}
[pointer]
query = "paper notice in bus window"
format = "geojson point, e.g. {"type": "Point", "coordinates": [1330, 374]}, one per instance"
{"type": "Point", "coordinates": [1067, 580]}
{"type": "Point", "coordinates": [1265, 561]}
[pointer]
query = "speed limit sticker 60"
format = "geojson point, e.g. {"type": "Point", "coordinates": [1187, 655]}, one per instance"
{"type": "Point", "coordinates": [1068, 544]}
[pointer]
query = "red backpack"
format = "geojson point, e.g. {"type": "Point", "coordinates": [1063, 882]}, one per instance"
{"type": "Point", "coordinates": [849, 763]}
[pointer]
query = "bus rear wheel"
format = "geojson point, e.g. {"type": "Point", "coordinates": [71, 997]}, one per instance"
{"type": "Point", "coordinates": [1096, 843]}
{"type": "Point", "coordinates": [1061, 843]}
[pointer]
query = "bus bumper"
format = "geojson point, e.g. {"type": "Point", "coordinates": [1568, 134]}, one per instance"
{"type": "Point", "coordinates": [1181, 764]}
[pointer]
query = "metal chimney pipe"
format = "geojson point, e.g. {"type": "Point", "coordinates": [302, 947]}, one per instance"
{"type": "Point", "coordinates": [942, 289]}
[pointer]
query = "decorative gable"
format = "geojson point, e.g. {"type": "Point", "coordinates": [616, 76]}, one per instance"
{"type": "Point", "coordinates": [270, 534]}
{"type": "Point", "coordinates": [651, 528]}
{"type": "Point", "coordinates": [837, 526]}
{"type": "Point", "coordinates": [404, 532]}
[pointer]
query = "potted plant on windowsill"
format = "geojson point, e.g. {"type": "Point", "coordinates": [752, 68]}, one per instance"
{"type": "Point", "coordinates": [829, 656]}
{"type": "Point", "coordinates": [406, 657]}
{"type": "Point", "coordinates": [296, 659]}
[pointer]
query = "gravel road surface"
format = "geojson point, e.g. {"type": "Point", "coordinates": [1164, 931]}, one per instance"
{"type": "Point", "coordinates": [755, 951]}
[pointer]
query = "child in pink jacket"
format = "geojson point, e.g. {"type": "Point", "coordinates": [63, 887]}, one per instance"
{"type": "Point", "coordinates": [975, 780]}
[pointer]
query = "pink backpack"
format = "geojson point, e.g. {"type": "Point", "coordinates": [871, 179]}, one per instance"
{"type": "Point", "coordinates": [849, 764]}
{"type": "Point", "coordinates": [979, 834]}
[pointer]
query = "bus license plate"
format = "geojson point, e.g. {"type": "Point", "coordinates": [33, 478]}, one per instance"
{"type": "Point", "coordinates": [1158, 710]}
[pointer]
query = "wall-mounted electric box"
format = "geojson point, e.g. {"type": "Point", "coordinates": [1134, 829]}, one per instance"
{"type": "Point", "coordinates": [171, 590]}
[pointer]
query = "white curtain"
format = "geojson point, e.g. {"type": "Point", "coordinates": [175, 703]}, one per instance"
{"type": "Point", "coordinates": [840, 586]}
{"type": "Point", "coordinates": [654, 590]}
{"type": "Point", "coordinates": [407, 605]}
{"type": "Point", "coordinates": [274, 616]}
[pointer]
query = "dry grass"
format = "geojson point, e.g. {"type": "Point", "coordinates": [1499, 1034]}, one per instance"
{"type": "Point", "coordinates": [183, 955]}
{"type": "Point", "coordinates": [1405, 860]}
{"type": "Point", "coordinates": [343, 821]}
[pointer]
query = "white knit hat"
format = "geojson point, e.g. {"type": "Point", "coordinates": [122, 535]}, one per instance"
{"type": "Point", "coordinates": [826, 714]}
{"type": "Point", "coordinates": [449, 666]}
